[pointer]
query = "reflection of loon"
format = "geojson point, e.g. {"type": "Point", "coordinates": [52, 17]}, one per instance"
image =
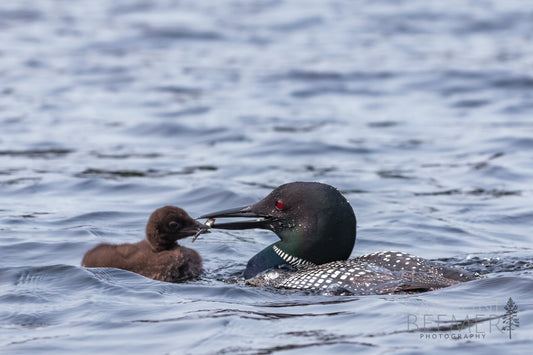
{"type": "Point", "coordinates": [316, 225]}
{"type": "Point", "coordinates": [158, 256]}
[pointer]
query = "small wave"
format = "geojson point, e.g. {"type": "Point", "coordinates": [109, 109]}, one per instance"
{"type": "Point", "coordinates": [335, 90]}
{"type": "Point", "coordinates": [181, 33]}
{"type": "Point", "coordinates": [20, 15]}
{"type": "Point", "coordinates": [37, 153]}
{"type": "Point", "coordinates": [315, 75]}
{"type": "Point", "coordinates": [474, 192]}
{"type": "Point", "coordinates": [115, 174]}
{"type": "Point", "coordinates": [489, 264]}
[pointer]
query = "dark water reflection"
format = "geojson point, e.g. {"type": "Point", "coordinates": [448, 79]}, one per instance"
{"type": "Point", "coordinates": [419, 112]}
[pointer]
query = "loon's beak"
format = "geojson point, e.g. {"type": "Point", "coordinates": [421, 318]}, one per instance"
{"type": "Point", "coordinates": [262, 220]}
{"type": "Point", "coordinates": [193, 230]}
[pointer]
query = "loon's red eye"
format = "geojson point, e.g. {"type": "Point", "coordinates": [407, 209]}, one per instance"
{"type": "Point", "coordinates": [279, 205]}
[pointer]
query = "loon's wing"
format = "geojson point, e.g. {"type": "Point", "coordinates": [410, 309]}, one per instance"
{"type": "Point", "coordinates": [377, 273]}
{"type": "Point", "coordinates": [398, 261]}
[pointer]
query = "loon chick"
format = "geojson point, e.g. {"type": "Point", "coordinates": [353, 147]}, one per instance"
{"type": "Point", "coordinates": [317, 228]}
{"type": "Point", "coordinates": [158, 256]}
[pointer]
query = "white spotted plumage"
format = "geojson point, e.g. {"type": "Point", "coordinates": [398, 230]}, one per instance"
{"type": "Point", "coordinates": [380, 272]}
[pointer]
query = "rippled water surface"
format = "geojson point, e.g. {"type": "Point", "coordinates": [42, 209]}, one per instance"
{"type": "Point", "coordinates": [420, 112]}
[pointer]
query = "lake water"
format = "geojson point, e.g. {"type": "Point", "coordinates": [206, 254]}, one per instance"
{"type": "Point", "coordinates": [420, 112]}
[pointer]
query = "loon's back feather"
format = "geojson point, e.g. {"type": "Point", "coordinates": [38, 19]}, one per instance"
{"type": "Point", "coordinates": [376, 273]}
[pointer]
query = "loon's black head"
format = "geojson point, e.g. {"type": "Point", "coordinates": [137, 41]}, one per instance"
{"type": "Point", "coordinates": [315, 223]}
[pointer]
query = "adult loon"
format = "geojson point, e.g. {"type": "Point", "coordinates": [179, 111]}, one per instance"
{"type": "Point", "coordinates": [317, 228]}
{"type": "Point", "coordinates": [158, 256]}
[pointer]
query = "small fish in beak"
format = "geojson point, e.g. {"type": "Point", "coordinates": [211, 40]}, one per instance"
{"type": "Point", "coordinates": [208, 223]}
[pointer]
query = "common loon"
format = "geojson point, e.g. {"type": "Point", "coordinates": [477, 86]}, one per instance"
{"type": "Point", "coordinates": [317, 228]}
{"type": "Point", "coordinates": [158, 256]}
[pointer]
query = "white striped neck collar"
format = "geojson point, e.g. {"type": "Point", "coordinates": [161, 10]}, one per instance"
{"type": "Point", "coordinates": [292, 260]}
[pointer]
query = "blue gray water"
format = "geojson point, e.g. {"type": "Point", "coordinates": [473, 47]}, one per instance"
{"type": "Point", "coordinates": [420, 112]}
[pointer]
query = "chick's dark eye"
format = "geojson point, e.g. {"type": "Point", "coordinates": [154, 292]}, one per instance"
{"type": "Point", "coordinates": [279, 205]}
{"type": "Point", "coordinates": [173, 225]}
